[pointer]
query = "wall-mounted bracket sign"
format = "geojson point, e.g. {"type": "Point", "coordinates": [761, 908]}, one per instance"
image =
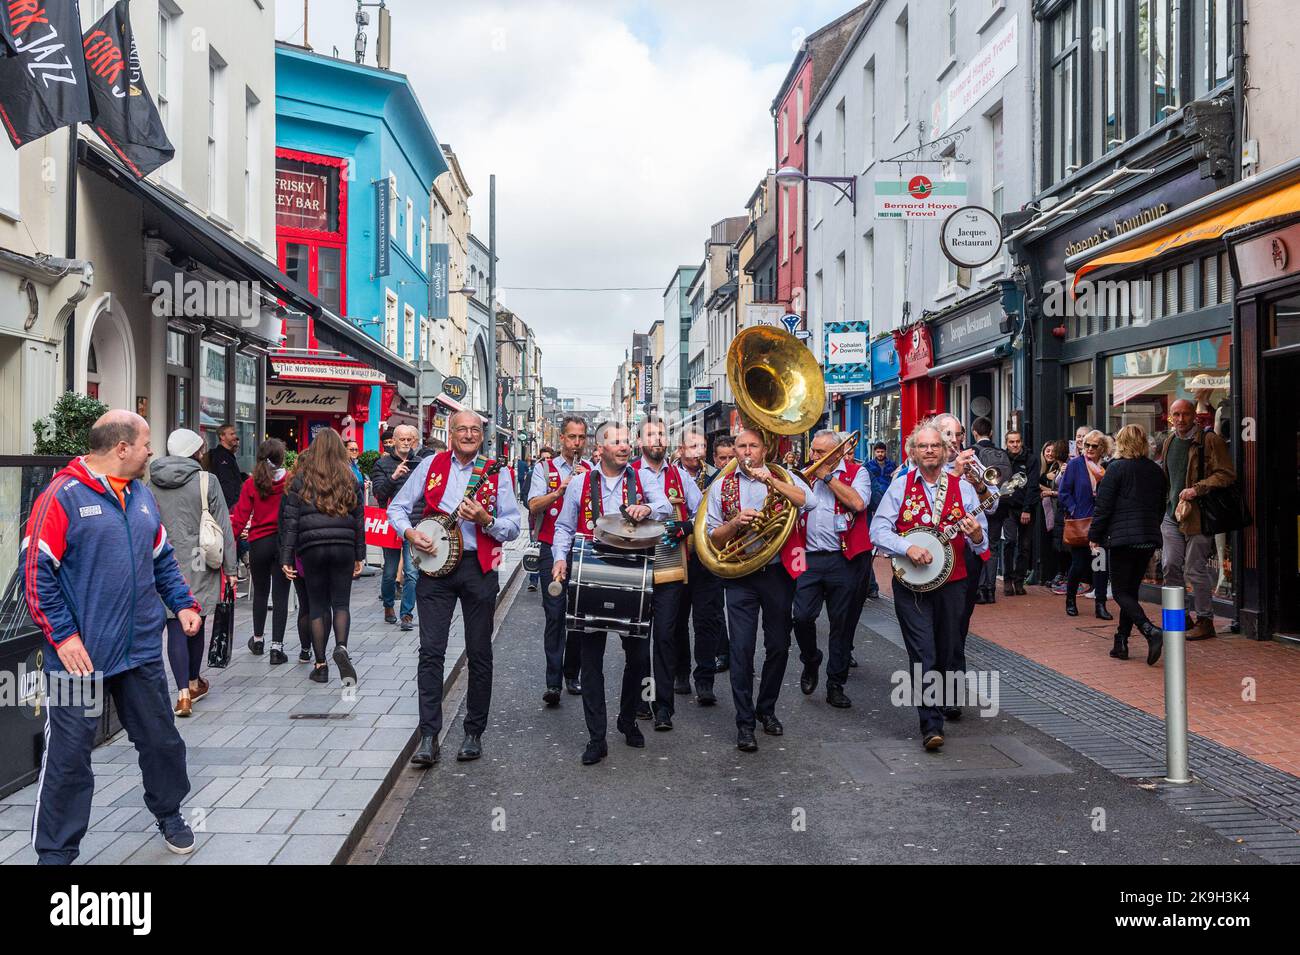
{"type": "Point", "coordinates": [971, 236]}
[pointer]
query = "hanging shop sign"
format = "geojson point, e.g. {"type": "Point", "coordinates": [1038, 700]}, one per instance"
{"type": "Point", "coordinates": [919, 197]}
{"type": "Point", "coordinates": [847, 361]}
{"type": "Point", "coordinates": [971, 237]}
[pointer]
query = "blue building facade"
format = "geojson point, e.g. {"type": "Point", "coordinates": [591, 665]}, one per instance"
{"type": "Point", "coordinates": [356, 158]}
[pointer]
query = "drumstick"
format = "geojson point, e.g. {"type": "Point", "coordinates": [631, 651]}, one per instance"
{"type": "Point", "coordinates": [555, 588]}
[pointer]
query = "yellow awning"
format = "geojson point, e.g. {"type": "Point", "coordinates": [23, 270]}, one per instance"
{"type": "Point", "coordinates": [1282, 202]}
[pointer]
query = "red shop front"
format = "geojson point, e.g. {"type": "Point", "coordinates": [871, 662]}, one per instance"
{"type": "Point", "coordinates": [920, 395]}
{"type": "Point", "coordinates": [305, 395]}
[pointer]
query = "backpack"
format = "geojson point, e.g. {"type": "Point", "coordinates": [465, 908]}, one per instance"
{"type": "Point", "coordinates": [211, 538]}
{"type": "Point", "coordinates": [995, 457]}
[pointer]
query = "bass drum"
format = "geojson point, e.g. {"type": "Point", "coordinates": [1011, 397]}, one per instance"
{"type": "Point", "coordinates": [609, 590]}
{"type": "Point", "coordinates": [924, 577]}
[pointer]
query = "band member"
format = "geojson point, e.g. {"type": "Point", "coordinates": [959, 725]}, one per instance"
{"type": "Point", "coordinates": [551, 479]}
{"type": "Point", "coordinates": [463, 482]}
{"type": "Point", "coordinates": [733, 504]}
{"type": "Point", "coordinates": [618, 486]}
{"type": "Point", "coordinates": [701, 595]}
{"type": "Point", "coordinates": [684, 495]}
{"type": "Point", "coordinates": [724, 452]}
{"type": "Point", "coordinates": [929, 496]}
{"type": "Point", "coordinates": [835, 531]}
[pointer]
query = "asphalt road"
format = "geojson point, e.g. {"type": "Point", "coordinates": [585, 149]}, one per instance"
{"type": "Point", "coordinates": [840, 786]}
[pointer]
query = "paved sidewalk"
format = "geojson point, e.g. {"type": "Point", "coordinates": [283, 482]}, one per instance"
{"type": "Point", "coordinates": [282, 770]}
{"type": "Point", "coordinates": [1219, 670]}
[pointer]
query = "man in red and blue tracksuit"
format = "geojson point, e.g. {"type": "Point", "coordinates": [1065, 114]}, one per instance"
{"type": "Point", "coordinates": [96, 560]}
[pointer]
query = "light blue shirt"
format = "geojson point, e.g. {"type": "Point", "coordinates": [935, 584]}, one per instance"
{"type": "Point", "coordinates": [692, 491]}
{"type": "Point", "coordinates": [611, 499]}
{"type": "Point", "coordinates": [752, 494]}
{"type": "Point", "coordinates": [890, 542]}
{"type": "Point", "coordinates": [822, 532]}
{"type": "Point", "coordinates": [540, 484]}
{"type": "Point", "coordinates": [507, 515]}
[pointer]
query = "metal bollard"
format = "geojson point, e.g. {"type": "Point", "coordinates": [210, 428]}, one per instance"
{"type": "Point", "coordinates": [1174, 624]}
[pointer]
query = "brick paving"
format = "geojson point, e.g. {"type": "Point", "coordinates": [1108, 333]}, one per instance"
{"type": "Point", "coordinates": [282, 770]}
{"type": "Point", "coordinates": [1265, 729]}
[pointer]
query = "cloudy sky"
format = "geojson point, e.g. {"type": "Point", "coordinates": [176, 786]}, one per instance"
{"type": "Point", "coordinates": [618, 133]}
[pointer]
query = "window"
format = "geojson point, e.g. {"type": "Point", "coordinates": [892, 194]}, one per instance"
{"type": "Point", "coordinates": [866, 303]}
{"type": "Point", "coordinates": [1211, 28]}
{"type": "Point", "coordinates": [9, 184]}
{"type": "Point", "coordinates": [163, 92]}
{"type": "Point", "coordinates": [245, 420]}
{"type": "Point", "coordinates": [798, 112]}
{"type": "Point", "coordinates": [408, 333]}
{"type": "Point", "coordinates": [424, 244]}
{"type": "Point", "coordinates": [216, 128]}
{"type": "Point", "coordinates": [997, 162]}
{"type": "Point", "coordinates": [952, 29]}
{"type": "Point", "coordinates": [1157, 60]}
{"type": "Point", "coordinates": [869, 112]}
{"type": "Point", "coordinates": [252, 166]}
{"type": "Point", "coordinates": [1108, 76]}
{"type": "Point", "coordinates": [785, 224]}
{"type": "Point", "coordinates": [1064, 93]}
{"type": "Point", "coordinates": [902, 58]}
{"type": "Point", "coordinates": [817, 166]}
{"type": "Point", "coordinates": [784, 123]}
{"type": "Point", "coordinates": [798, 216]}
{"type": "Point", "coordinates": [817, 302]}
{"type": "Point", "coordinates": [841, 140]}
{"type": "Point", "coordinates": [410, 227]}
{"type": "Point", "coordinates": [390, 322]}
{"type": "Point", "coordinates": [424, 339]}
{"type": "Point", "coordinates": [840, 286]}
{"type": "Point", "coordinates": [212, 390]}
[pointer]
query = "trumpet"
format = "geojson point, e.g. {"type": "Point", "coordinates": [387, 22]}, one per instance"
{"type": "Point", "coordinates": [834, 456]}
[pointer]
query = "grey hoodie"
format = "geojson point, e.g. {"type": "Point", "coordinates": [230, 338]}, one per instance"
{"type": "Point", "coordinates": [175, 485]}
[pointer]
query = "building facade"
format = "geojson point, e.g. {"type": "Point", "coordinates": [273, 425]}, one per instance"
{"type": "Point", "coordinates": [677, 336]}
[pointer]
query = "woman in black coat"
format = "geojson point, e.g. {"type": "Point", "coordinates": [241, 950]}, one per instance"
{"type": "Point", "coordinates": [322, 524]}
{"type": "Point", "coordinates": [1129, 506]}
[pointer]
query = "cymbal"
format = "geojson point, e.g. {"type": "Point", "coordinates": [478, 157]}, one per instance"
{"type": "Point", "coordinates": [616, 531]}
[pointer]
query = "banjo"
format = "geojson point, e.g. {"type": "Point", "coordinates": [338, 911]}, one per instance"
{"type": "Point", "coordinates": [938, 541]}
{"type": "Point", "coordinates": [444, 531]}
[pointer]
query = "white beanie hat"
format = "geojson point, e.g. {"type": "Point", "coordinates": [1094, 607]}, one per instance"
{"type": "Point", "coordinates": [183, 442]}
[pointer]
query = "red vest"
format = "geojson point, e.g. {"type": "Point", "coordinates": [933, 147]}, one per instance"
{"type": "Point", "coordinates": [547, 532]}
{"type": "Point", "coordinates": [586, 520]}
{"type": "Point", "coordinates": [489, 549]}
{"type": "Point", "coordinates": [857, 538]}
{"type": "Point", "coordinates": [914, 508]}
{"type": "Point", "coordinates": [792, 551]}
{"type": "Point", "coordinates": [672, 488]}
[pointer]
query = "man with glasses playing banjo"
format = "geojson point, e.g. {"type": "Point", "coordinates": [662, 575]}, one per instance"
{"type": "Point", "coordinates": [929, 497]}
{"type": "Point", "coordinates": [463, 484]}
{"type": "Point", "coordinates": [620, 486]}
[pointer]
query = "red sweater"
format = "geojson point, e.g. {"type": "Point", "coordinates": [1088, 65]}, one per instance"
{"type": "Point", "coordinates": [265, 511]}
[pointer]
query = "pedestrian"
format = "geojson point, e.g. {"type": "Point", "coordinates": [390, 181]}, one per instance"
{"type": "Point", "coordinates": [185, 493]}
{"type": "Point", "coordinates": [96, 559]}
{"type": "Point", "coordinates": [882, 470]}
{"type": "Point", "coordinates": [1126, 521]}
{"type": "Point", "coordinates": [535, 521]}
{"type": "Point", "coordinates": [354, 452]}
{"type": "Point", "coordinates": [388, 476]}
{"type": "Point", "coordinates": [1076, 446]}
{"type": "Point", "coordinates": [257, 513]}
{"type": "Point", "coordinates": [1018, 528]}
{"type": "Point", "coordinates": [1056, 556]}
{"type": "Point", "coordinates": [222, 462]}
{"type": "Point", "coordinates": [305, 652]}
{"type": "Point", "coordinates": [724, 452]}
{"type": "Point", "coordinates": [1196, 462]}
{"type": "Point", "coordinates": [324, 525]}
{"type": "Point", "coordinates": [1078, 497]}
{"type": "Point", "coordinates": [991, 456]}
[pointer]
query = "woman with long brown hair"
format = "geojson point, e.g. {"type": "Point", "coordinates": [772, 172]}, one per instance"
{"type": "Point", "coordinates": [323, 525]}
{"type": "Point", "coordinates": [258, 512]}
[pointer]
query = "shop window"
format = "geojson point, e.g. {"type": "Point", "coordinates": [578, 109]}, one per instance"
{"type": "Point", "coordinates": [1285, 329]}
{"type": "Point", "coordinates": [212, 390]}
{"type": "Point", "coordinates": [1187, 286]}
{"type": "Point", "coordinates": [245, 420]}
{"type": "Point", "coordinates": [1210, 280]}
{"type": "Point", "coordinates": [1171, 292]}
{"type": "Point", "coordinates": [1063, 66]}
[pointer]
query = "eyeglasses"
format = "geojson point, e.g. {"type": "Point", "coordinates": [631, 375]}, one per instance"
{"type": "Point", "coordinates": [1093, 444]}
{"type": "Point", "coordinates": [928, 447]}
{"type": "Point", "coordinates": [466, 430]}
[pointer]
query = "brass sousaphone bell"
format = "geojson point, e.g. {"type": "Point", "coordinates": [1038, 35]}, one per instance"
{"type": "Point", "coordinates": [779, 390]}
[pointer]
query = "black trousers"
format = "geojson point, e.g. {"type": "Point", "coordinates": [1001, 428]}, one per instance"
{"type": "Point", "coordinates": [666, 603]}
{"type": "Point", "coordinates": [989, 568]}
{"type": "Point", "coordinates": [974, 568]}
{"type": "Point", "coordinates": [930, 623]}
{"type": "Point", "coordinates": [435, 598]}
{"type": "Point", "coordinates": [563, 649]}
{"type": "Point", "coordinates": [270, 582]}
{"type": "Point", "coordinates": [636, 670]}
{"type": "Point", "coordinates": [1016, 547]}
{"type": "Point", "coordinates": [832, 580]}
{"type": "Point", "coordinates": [768, 593]}
{"type": "Point", "coordinates": [1127, 565]}
{"type": "Point", "coordinates": [700, 605]}
{"type": "Point", "coordinates": [1084, 564]}
{"type": "Point", "coordinates": [864, 572]}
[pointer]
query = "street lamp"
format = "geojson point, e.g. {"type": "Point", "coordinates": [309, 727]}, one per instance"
{"type": "Point", "coordinates": [847, 185]}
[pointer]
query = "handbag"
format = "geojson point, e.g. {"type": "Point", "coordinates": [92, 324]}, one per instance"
{"type": "Point", "coordinates": [223, 629]}
{"type": "Point", "coordinates": [1223, 509]}
{"type": "Point", "coordinates": [1076, 531]}
{"type": "Point", "coordinates": [211, 544]}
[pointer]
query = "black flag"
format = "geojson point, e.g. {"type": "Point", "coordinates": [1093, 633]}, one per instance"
{"type": "Point", "coordinates": [43, 79]}
{"type": "Point", "coordinates": [125, 116]}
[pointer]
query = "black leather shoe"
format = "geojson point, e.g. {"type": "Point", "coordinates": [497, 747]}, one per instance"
{"type": "Point", "coordinates": [1102, 612]}
{"type": "Point", "coordinates": [682, 685]}
{"type": "Point", "coordinates": [426, 754]}
{"type": "Point", "coordinates": [835, 696]}
{"type": "Point", "coordinates": [552, 696]}
{"type": "Point", "coordinates": [471, 748]}
{"type": "Point", "coordinates": [853, 662]}
{"type": "Point", "coordinates": [745, 741]}
{"type": "Point", "coordinates": [1071, 607]}
{"type": "Point", "coordinates": [574, 687]}
{"type": "Point", "coordinates": [663, 722]}
{"type": "Point", "coordinates": [1020, 588]}
{"type": "Point", "coordinates": [1155, 643]}
{"type": "Point", "coordinates": [771, 725]}
{"type": "Point", "coordinates": [390, 615]}
{"type": "Point", "coordinates": [596, 750]}
{"type": "Point", "coordinates": [643, 712]}
{"type": "Point", "coordinates": [933, 742]}
{"type": "Point", "coordinates": [255, 646]}
{"type": "Point", "coordinates": [952, 713]}
{"type": "Point", "coordinates": [1120, 650]}
{"type": "Point", "coordinates": [721, 664]}
{"type": "Point", "coordinates": [808, 678]}
{"type": "Point", "coordinates": [633, 735]}
{"type": "Point", "coordinates": [704, 695]}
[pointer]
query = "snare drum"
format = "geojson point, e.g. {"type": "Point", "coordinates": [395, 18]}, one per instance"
{"type": "Point", "coordinates": [609, 590]}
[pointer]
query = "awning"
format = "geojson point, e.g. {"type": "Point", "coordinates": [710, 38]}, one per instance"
{"type": "Point", "coordinates": [190, 233]}
{"type": "Point", "coordinates": [962, 364]}
{"type": "Point", "coordinates": [1266, 196]}
{"type": "Point", "coordinates": [447, 401]}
